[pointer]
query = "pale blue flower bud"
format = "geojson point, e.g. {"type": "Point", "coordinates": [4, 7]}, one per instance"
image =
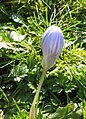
{"type": "Point", "coordinates": [52, 44]}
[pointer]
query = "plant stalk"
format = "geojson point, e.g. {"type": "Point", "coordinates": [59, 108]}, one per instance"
{"type": "Point", "coordinates": [33, 110]}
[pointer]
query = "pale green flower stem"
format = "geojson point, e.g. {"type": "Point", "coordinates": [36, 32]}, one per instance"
{"type": "Point", "coordinates": [33, 110]}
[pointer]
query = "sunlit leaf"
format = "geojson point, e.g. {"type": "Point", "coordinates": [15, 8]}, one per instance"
{"type": "Point", "coordinates": [17, 37]}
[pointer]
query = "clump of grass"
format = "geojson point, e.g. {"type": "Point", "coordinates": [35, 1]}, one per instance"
{"type": "Point", "coordinates": [64, 90]}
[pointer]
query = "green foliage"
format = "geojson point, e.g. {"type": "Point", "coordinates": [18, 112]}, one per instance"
{"type": "Point", "coordinates": [70, 111]}
{"type": "Point", "coordinates": [63, 94]}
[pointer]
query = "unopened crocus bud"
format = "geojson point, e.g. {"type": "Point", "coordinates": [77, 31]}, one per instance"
{"type": "Point", "coordinates": [52, 44]}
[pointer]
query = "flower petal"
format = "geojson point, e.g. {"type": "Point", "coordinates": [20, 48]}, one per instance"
{"type": "Point", "coordinates": [52, 44]}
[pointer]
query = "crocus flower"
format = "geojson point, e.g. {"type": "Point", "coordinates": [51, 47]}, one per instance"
{"type": "Point", "coordinates": [52, 44]}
